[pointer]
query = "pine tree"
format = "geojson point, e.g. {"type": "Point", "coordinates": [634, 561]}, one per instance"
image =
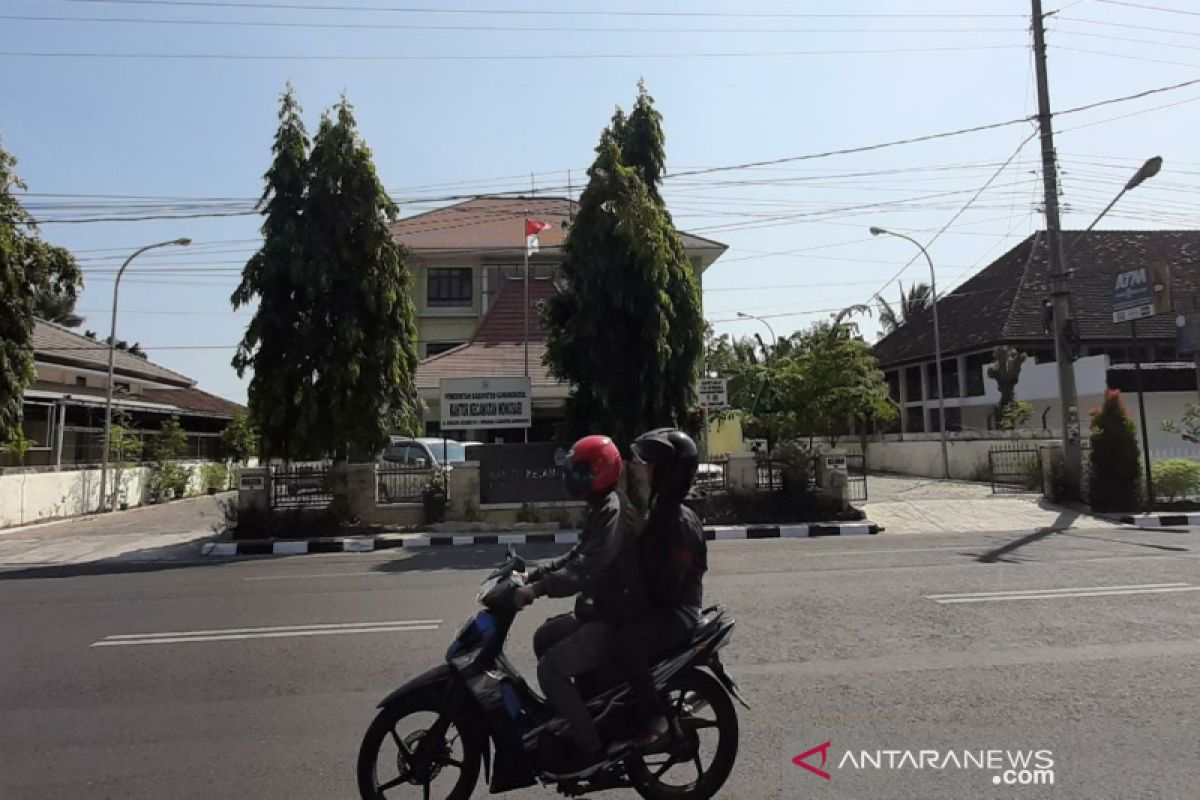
{"type": "Point", "coordinates": [29, 267]}
{"type": "Point", "coordinates": [277, 344]}
{"type": "Point", "coordinates": [627, 332]}
{"type": "Point", "coordinates": [365, 373]}
{"type": "Point", "coordinates": [1114, 457]}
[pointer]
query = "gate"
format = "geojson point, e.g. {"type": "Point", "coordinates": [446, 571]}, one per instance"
{"type": "Point", "coordinates": [856, 470]}
{"type": "Point", "coordinates": [301, 487]}
{"type": "Point", "coordinates": [1015, 468]}
{"type": "Point", "coordinates": [401, 484]}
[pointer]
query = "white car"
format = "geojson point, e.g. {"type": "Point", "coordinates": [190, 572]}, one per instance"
{"type": "Point", "coordinates": [423, 452]}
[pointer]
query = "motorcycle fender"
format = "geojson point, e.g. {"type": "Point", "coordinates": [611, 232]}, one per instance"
{"type": "Point", "coordinates": [718, 669]}
{"type": "Point", "coordinates": [438, 676]}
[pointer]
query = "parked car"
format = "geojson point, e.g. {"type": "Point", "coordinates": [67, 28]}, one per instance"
{"type": "Point", "coordinates": [423, 452]}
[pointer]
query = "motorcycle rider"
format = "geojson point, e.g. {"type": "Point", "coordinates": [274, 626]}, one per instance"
{"type": "Point", "coordinates": [602, 569]}
{"type": "Point", "coordinates": [673, 557]}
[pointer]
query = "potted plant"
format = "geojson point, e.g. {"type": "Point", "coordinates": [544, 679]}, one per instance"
{"type": "Point", "coordinates": [434, 498]}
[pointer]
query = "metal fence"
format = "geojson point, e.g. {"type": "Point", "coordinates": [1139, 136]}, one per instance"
{"type": "Point", "coordinates": [401, 484]}
{"type": "Point", "coordinates": [1015, 468]}
{"type": "Point", "coordinates": [712, 476]}
{"type": "Point", "coordinates": [768, 474]}
{"type": "Point", "coordinates": [301, 488]}
{"type": "Point", "coordinates": [856, 469]}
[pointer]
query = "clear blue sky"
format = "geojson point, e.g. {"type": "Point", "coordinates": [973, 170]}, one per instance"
{"type": "Point", "coordinates": [201, 128]}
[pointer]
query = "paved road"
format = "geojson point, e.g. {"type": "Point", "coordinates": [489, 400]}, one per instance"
{"type": "Point", "coordinates": [882, 643]}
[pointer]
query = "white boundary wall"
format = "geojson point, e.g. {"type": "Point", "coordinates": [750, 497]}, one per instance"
{"type": "Point", "coordinates": [27, 497]}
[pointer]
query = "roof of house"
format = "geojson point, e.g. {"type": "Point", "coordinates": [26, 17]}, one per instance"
{"type": "Point", "coordinates": [495, 223]}
{"type": "Point", "coordinates": [1003, 303]}
{"type": "Point", "coordinates": [55, 344]}
{"type": "Point", "coordinates": [186, 400]}
{"type": "Point", "coordinates": [497, 350]}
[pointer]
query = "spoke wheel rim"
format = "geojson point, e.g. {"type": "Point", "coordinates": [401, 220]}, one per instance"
{"type": "Point", "coordinates": [406, 747]}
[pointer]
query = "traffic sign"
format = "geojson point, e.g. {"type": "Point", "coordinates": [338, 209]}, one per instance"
{"type": "Point", "coordinates": [714, 394]}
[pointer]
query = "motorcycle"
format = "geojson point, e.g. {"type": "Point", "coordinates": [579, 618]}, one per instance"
{"type": "Point", "coordinates": [436, 732]}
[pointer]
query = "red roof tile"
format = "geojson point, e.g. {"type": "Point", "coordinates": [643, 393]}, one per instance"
{"type": "Point", "coordinates": [497, 349]}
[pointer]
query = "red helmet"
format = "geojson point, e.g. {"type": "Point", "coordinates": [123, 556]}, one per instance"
{"type": "Point", "coordinates": [592, 467]}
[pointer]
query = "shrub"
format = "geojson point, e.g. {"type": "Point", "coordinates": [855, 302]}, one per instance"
{"type": "Point", "coordinates": [214, 476]}
{"type": "Point", "coordinates": [434, 498]}
{"type": "Point", "coordinates": [529, 513]}
{"type": "Point", "coordinates": [1175, 478]}
{"type": "Point", "coordinates": [1114, 457]}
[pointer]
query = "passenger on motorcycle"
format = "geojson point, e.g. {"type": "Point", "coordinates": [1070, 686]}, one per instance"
{"type": "Point", "coordinates": [673, 557]}
{"type": "Point", "coordinates": [602, 569]}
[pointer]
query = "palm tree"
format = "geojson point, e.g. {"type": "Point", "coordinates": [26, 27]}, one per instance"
{"type": "Point", "coordinates": [56, 307]}
{"type": "Point", "coordinates": [912, 304]}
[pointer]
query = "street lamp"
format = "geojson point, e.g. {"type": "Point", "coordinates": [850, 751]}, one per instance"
{"type": "Point", "coordinates": [112, 346]}
{"type": "Point", "coordinates": [937, 343]}
{"type": "Point", "coordinates": [744, 315]}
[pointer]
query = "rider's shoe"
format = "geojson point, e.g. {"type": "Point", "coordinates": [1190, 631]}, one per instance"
{"type": "Point", "coordinates": [578, 765]}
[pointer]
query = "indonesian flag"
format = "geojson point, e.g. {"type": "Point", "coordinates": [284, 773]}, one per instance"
{"type": "Point", "coordinates": [532, 228]}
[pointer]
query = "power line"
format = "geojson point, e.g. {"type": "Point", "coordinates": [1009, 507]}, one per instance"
{"type": "Point", "coordinates": [358, 57]}
{"type": "Point", "coordinates": [541, 12]}
{"type": "Point", "coordinates": [484, 28]}
{"type": "Point", "coordinates": [1145, 7]}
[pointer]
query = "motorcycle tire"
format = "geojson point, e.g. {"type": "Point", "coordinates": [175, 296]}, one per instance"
{"type": "Point", "coordinates": [698, 682]}
{"type": "Point", "coordinates": [465, 725]}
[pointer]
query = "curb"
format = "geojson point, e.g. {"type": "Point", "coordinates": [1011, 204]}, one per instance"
{"type": "Point", "coordinates": [1160, 520]}
{"type": "Point", "coordinates": [368, 544]}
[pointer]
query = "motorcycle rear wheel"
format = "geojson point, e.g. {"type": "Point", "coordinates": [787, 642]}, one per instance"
{"type": "Point", "coordinates": [711, 711]}
{"type": "Point", "coordinates": [398, 728]}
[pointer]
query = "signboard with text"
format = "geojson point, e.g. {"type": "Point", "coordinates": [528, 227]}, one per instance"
{"type": "Point", "coordinates": [485, 403]}
{"type": "Point", "coordinates": [1141, 292]}
{"type": "Point", "coordinates": [713, 394]}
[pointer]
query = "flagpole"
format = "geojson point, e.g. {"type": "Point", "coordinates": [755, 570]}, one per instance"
{"type": "Point", "coordinates": [526, 311]}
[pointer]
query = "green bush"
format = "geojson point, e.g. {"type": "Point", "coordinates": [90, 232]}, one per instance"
{"type": "Point", "coordinates": [1175, 478]}
{"type": "Point", "coordinates": [214, 476]}
{"type": "Point", "coordinates": [1114, 457]}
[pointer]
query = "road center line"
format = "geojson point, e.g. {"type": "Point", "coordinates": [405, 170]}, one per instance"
{"type": "Point", "coordinates": [1054, 591]}
{"type": "Point", "coordinates": [1067, 595]}
{"type": "Point", "coordinates": [315, 575]}
{"type": "Point", "coordinates": [272, 635]}
{"type": "Point", "coordinates": [276, 629]}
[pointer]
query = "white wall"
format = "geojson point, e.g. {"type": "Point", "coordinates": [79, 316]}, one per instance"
{"type": "Point", "coordinates": [32, 496]}
{"type": "Point", "coordinates": [968, 458]}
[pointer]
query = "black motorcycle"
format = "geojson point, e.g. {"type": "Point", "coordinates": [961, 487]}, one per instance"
{"type": "Point", "coordinates": [435, 733]}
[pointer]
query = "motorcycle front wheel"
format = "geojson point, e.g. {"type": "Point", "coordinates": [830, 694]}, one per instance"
{"type": "Point", "coordinates": [696, 767]}
{"type": "Point", "coordinates": [385, 758]}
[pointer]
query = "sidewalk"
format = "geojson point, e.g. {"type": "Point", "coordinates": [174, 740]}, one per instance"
{"type": "Point", "coordinates": [160, 532]}
{"type": "Point", "coordinates": [905, 505]}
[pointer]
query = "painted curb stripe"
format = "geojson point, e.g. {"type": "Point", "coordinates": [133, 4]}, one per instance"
{"type": "Point", "coordinates": [1160, 520]}
{"type": "Point", "coordinates": [367, 544]}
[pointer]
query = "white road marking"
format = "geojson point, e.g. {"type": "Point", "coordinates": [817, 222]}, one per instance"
{"type": "Point", "coordinates": [1054, 591]}
{"type": "Point", "coordinates": [315, 575]}
{"type": "Point", "coordinates": [273, 632]}
{"type": "Point", "coordinates": [1063, 594]}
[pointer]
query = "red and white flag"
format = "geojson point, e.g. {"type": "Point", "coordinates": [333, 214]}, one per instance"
{"type": "Point", "coordinates": [532, 228]}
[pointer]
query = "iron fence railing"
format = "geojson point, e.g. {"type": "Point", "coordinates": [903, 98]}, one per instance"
{"type": "Point", "coordinates": [301, 488]}
{"type": "Point", "coordinates": [395, 484]}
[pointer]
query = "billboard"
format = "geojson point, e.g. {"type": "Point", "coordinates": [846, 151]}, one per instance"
{"type": "Point", "coordinates": [485, 403]}
{"type": "Point", "coordinates": [1141, 292]}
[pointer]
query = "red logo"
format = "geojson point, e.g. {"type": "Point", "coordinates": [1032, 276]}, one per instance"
{"type": "Point", "coordinates": [823, 750]}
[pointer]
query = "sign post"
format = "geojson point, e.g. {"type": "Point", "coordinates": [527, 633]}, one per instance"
{"type": "Point", "coordinates": [1140, 293]}
{"type": "Point", "coordinates": [485, 403]}
{"type": "Point", "coordinates": [714, 393]}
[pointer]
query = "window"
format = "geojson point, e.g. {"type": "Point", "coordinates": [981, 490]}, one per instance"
{"type": "Point", "coordinates": [80, 380]}
{"type": "Point", "coordinates": [912, 381]}
{"type": "Point", "coordinates": [976, 367]}
{"type": "Point", "coordinates": [450, 288]}
{"type": "Point", "coordinates": [893, 382]}
{"type": "Point", "coordinates": [433, 348]}
{"type": "Point", "coordinates": [916, 420]}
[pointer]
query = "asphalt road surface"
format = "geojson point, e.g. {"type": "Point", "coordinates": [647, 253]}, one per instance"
{"type": "Point", "coordinates": [140, 681]}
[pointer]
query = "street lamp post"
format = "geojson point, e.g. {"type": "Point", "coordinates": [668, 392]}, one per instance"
{"type": "Point", "coordinates": [761, 387]}
{"type": "Point", "coordinates": [937, 343]}
{"type": "Point", "coordinates": [112, 346]}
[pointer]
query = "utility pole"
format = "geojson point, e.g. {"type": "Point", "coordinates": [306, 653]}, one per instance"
{"type": "Point", "coordinates": [1060, 291]}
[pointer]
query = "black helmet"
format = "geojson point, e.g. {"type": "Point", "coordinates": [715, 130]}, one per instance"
{"type": "Point", "coordinates": [675, 458]}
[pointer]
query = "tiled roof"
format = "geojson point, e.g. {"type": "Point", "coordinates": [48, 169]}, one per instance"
{"type": "Point", "coordinates": [55, 344]}
{"type": "Point", "coordinates": [1002, 304]}
{"type": "Point", "coordinates": [497, 350]}
{"type": "Point", "coordinates": [184, 400]}
{"type": "Point", "coordinates": [496, 223]}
